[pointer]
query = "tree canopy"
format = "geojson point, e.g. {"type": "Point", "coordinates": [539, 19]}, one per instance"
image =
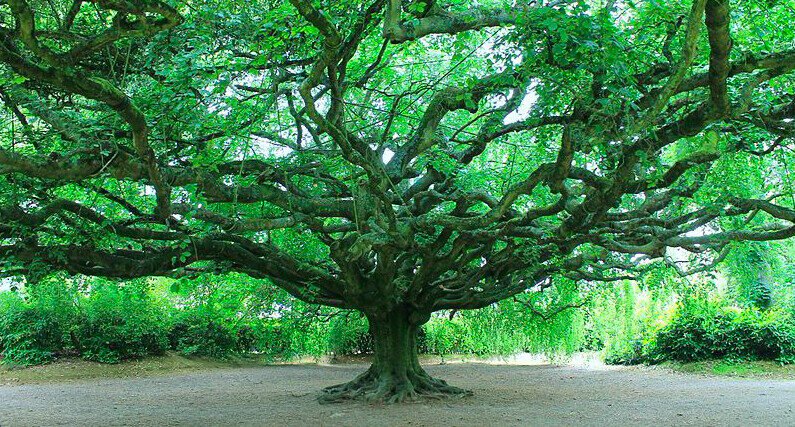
{"type": "Point", "coordinates": [396, 157]}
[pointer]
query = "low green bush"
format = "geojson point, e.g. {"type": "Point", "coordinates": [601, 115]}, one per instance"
{"type": "Point", "coordinates": [703, 330]}
{"type": "Point", "coordinates": [284, 338]}
{"type": "Point", "coordinates": [631, 352]}
{"type": "Point", "coordinates": [197, 333]}
{"type": "Point", "coordinates": [445, 337]}
{"type": "Point", "coordinates": [108, 324]}
{"type": "Point", "coordinates": [29, 335]}
{"type": "Point", "coordinates": [32, 333]}
{"type": "Point", "coordinates": [349, 335]}
{"type": "Point", "coordinates": [115, 325]}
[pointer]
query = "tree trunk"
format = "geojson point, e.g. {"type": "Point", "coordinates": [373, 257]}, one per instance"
{"type": "Point", "coordinates": [395, 374]}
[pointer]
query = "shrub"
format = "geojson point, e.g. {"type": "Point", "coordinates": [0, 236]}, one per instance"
{"type": "Point", "coordinates": [631, 353]}
{"type": "Point", "coordinates": [275, 340]}
{"type": "Point", "coordinates": [196, 333]}
{"type": "Point", "coordinates": [29, 335]}
{"type": "Point", "coordinates": [684, 339]}
{"type": "Point", "coordinates": [443, 336]}
{"type": "Point", "coordinates": [349, 335]}
{"type": "Point", "coordinates": [291, 337]}
{"type": "Point", "coordinates": [700, 331]}
{"type": "Point", "coordinates": [33, 332]}
{"type": "Point", "coordinates": [116, 325]}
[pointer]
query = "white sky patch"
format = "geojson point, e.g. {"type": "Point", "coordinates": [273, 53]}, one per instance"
{"type": "Point", "coordinates": [593, 167]}
{"type": "Point", "coordinates": [387, 156]}
{"type": "Point", "coordinates": [265, 145]}
{"type": "Point", "coordinates": [701, 231]}
{"type": "Point", "coordinates": [7, 282]}
{"type": "Point", "coordinates": [640, 259]}
{"type": "Point", "coordinates": [523, 112]}
{"type": "Point", "coordinates": [29, 204]}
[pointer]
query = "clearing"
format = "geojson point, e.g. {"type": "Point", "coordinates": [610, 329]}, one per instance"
{"type": "Point", "coordinates": [169, 392]}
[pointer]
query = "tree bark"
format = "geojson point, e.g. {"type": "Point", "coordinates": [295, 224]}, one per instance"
{"type": "Point", "coordinates": [395, 374]}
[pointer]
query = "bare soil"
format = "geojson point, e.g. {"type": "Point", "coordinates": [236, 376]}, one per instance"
{"type": "Point", "coordinates": [505, 394]}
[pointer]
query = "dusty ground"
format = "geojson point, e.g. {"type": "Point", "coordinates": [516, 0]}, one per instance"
{"type": "Point", "coordinates": [504, 395]}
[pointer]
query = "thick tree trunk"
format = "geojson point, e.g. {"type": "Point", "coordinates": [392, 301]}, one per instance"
{"type": "Point", "coordinates": [395, 374]}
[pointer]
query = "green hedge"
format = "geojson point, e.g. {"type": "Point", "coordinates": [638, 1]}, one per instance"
{"type": "Point", "coordinates": [114, 325]}
{"type": "Point", "coordinates": [109, 322]}
{"type": "Point", "coordinates": [704, 330]}
{"type": "Point", "coordinates": [109, 325]}
{"type": "Point", "coordinates": [197, 333]}
{"type": "Point", "coordinates": [700, 332]}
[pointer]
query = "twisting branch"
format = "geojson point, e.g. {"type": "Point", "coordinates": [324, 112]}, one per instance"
{"type": "Point", "coordinates": [379, 177]}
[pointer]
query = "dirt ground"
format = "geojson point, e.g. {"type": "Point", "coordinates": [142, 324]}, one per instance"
{"type": "Point", "coordinates": [504, 395]}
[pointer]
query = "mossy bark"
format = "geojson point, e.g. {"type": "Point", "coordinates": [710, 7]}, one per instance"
{"type": "Point", "coordinates": [395, 374]}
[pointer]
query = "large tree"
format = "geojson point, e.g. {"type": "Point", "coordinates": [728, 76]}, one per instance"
{"type": "Point", "coordinates": [395, 157]}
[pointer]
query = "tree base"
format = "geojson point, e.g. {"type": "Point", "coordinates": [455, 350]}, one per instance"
{"type": "Point", "coordinates": [388, 388]}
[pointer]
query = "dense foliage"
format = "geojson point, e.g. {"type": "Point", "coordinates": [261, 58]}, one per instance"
{"type": "Point", "coordinates": [707, 317]}
{"type": "Point", "coordinates": [109, 322]}
{"type": "Point", "coordinates": [404, 159]}
{"type": "Point", "coordinates": [707, 330]}
{"type": "Point", "coordinates": [628, 323]}
{"type": "Point", "coordinates": [701, 333]}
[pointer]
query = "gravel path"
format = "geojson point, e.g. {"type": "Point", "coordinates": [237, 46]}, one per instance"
{"type": "Point", "coordinates": [504, 395]}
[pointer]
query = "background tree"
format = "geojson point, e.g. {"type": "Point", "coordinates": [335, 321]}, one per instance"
{"type": "Point", "coordinates": [393, 157]}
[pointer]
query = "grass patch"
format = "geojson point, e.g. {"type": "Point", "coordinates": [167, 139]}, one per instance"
{"type": "Point", "coordinates": [739, 369]}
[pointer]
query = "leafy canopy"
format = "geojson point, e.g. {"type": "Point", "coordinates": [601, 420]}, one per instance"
{"type": "Point", "coordinates": [369, 155]}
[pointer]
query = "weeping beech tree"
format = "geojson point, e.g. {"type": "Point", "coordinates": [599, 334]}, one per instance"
{"type": "Point", "coordinates": [394, 157]}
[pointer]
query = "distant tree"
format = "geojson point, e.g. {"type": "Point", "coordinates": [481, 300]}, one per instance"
{"type": "Point", "coordinates": [395, 157]}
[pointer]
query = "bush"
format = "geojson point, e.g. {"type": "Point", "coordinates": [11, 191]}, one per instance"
{"type": "Point", "coordinates": [196, 333]}
{"type": "Point", "coordinates": [350, 335]}
{"type": "Point", "coordinates": [290, 337]}
{"type": "Point", "coordinates": [701, 331]}
{"type": "Point", "coordinates": [685, 339]}
{"type": "Point", "coordinates": [111, 324]}
{"type": "Point", "coordinates": [29, 335]}
{"type": "Point", "coordinates": [275, 340]}
{"type": "Point", "coordinates": [116, 325]}
{"type": "Point", "coordinates": [32, 333]}
{"type": "Point", "coordinates": [631, 353]}
{"type": "Point", "coordinates": [445, 337]}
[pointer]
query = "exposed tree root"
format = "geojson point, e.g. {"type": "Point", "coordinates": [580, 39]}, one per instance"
{"type": "Point", "coordinates": [389, 387]}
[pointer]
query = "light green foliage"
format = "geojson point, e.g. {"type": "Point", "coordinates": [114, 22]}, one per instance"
{"type": "Point", "coordinates": [348, 335]}
{"type": "Point", "coordinates": [690, 321]}
{"type": "Point", "coordinates": [757, 275]}
{"type": "Point", "coordinates": [622, 321]}
{"type": "Point", "coordinates": [196, 333]}
{"type": "Point", "coordinates": [553, 326]}
{"type": "Point", "coordinates": [109, 322]}
{"type": "Point", "coordinates": [102, 322]}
